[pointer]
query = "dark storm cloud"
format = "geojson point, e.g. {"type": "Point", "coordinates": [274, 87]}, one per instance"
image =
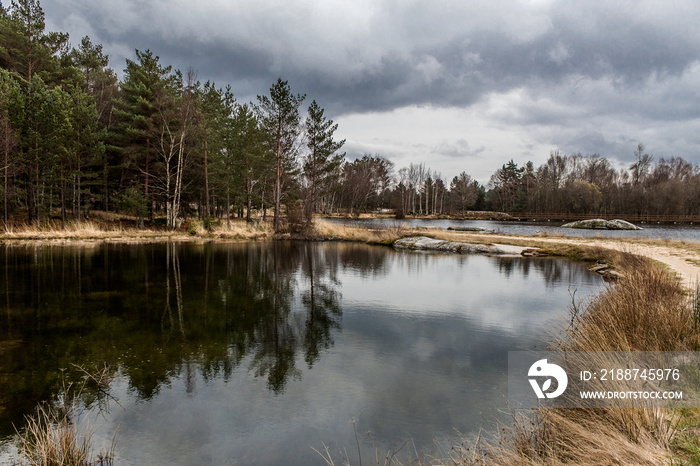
{"type": "Point", "coordinates": [570, 72]}
{"type": "Point", "coordinates": [449, 66]}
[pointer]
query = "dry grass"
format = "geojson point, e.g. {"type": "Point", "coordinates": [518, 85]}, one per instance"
{"type": "Point", "coordinates": [646, 311]}
{"type": "Point", "coordinates": [82, 231]}
{"type": "Point", "coordinates": [324, 229]}
{"type": "Point", "coordinates": [103, 231]}
{"type": "Point", "coordinates": [51, 436]}
{"type": "Point", "coordinates": [240, 229]}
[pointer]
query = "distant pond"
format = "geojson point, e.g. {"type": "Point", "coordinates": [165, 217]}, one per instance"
{"type": "Point", "coordinates": [255, 353]}
{"type": "Point", "coordinates": [679, 232]}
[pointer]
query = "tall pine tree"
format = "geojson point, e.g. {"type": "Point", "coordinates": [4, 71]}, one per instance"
{"type": "Point", "coordinates": [279, 116]}
{"type": "Point", "coordinates": [322, 161]}
{"type": "Point", "coordinates": [136, 109]}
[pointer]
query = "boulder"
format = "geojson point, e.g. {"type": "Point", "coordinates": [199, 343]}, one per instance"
{"type": "Point", "coordinates": [600, 224]}
{"type": "Point", "coordinates": [423, 243]}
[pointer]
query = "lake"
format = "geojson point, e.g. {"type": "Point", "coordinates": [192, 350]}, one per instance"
{"type": "Point", "coordinates": [258, 352]}
{"type": "Point", "coordinates": [655, 231]}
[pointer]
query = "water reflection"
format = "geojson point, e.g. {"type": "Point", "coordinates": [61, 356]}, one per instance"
{"type": "Point", "coordinates": [680, 232]}
{"type": "Point", "coordinates": [135, 309]}
{"type": "Point", "coordinates": [282, 342]}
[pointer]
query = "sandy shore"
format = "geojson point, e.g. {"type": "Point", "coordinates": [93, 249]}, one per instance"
{"type": "Point", "coordinates": [683, 262]}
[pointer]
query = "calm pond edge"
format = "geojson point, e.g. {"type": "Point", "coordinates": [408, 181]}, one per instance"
{"type": "Point", "coordinates": [670, 435]}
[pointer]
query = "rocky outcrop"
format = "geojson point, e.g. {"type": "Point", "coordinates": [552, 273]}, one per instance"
{"type": "Point", "coordinates": [423, 243]}
{"type": "Point", "coordinates": [600, 224]}
{"type": "Point", "coordinates": [474, 229]}
{"type": "Point", "coordinates": [606, 271]}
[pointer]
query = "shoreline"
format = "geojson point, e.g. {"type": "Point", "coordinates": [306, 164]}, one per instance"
{"type": "Point", "coordinates": [680, 257]}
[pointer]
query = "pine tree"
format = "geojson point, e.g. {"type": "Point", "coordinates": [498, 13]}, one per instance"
{"type": "Point", "coordinates": [43, 138]}
{"type": "Point", "coordinates": [225, 160]}
{"type": "Point", "coordinates": [100, 83]}
{"type": "Point", "coordinates": [215, 114]}
{"type": "Point", "coordinates": [320, 163]}
{"type": "Point", "coordinates": [136, 110]}
{"type": "Point", "coordinates": [11, 113]}
{"type": "Point", "coordinates": [279, 116]}
{"type": "Point", "coordinates": [249, 152]}
{"type": "Point", "coordinates": [25, 49]}
{"type": "Point", "coordinates": [84, 152]}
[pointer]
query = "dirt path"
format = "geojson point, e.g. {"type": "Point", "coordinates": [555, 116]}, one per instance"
{"type": "Point", "coordinates": [677, 259]}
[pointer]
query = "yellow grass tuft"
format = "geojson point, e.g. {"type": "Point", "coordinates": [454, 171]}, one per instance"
{"type": "Point", "coordinates": [240, 229]}
{"type": "Point", "coordinates": [338, 231]}
{"type": "Point", "coordinates": [51, 436]}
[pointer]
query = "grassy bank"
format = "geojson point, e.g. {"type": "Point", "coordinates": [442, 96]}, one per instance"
{"type": "Point", "coordinates": [103, 231]}
{"type": "Point", "coordinates": [646, 311]}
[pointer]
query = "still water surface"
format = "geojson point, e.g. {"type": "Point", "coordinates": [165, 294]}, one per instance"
{"type": "Point", "coordinates": [685, 232]}
{"type": "Point", "coordinates": [253, 353]}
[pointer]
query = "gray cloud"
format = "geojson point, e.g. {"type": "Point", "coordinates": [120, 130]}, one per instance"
{"type": "Point", "coordinates": [397, 54]}
{"type": "Point", "coordinates": [459, 148]}
{"type": "Point", "coordinates": [572, 63]}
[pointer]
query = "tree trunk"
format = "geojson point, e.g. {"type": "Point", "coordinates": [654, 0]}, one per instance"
{"type": "Point", "coordinates": [7, 167]}
{"type": "Point", "coordinates": [63, 199]}
{"type": "Point", "coordinates": [78, 194]}
{"type": "Point", "coordinates": [105, 199]}
{"type": "Point", "coordinates": [206, 177]}
{"type": "Point", "coordinates": [151, 207]}
{"type": "Point", "coordinates": [228, 197]}
{"type": "Point", "coordinates": [249, 200]}
{"type": "Point", "coordinates": [278, 189]}
{"type": "Point", "coordinates": [36, 192]}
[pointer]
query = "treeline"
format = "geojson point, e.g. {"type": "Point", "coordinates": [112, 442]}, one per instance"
{"type": "Point", "coordinates": [160, 143]}
{"type": "Point", "coordinates": [157, 143]}
{"type": "Point", "coordinates": [590, 184]}
{"type": "Point", "coordinates": [564, 183]}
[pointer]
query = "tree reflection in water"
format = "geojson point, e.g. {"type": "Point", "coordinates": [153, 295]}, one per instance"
{"type": "Point", "coordinates": [133, 308]}
{"type": "Point", "coordinates": [254, 317]}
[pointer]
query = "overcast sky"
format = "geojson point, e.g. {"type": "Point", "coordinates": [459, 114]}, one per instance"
{"type": "Point", "coordinates": [461, 85]}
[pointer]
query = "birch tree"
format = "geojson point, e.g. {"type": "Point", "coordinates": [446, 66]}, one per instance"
{"type": "Point", "coordinates": [174, 121]}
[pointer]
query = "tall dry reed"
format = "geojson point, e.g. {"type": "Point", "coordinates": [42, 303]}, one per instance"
{"type": "Point", "coordinates": [51, 437]}
{"type": "Point", "coordinates": [645, 311]}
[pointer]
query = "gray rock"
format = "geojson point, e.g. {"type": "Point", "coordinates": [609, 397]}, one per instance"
{"type": "Point", "coordinates": [600, 224]}
{"type": "Point", "coordinates": [599, 268]}
{"type": "Point", "coordinates": [475, 229]}
{"type": "Point", "coordinates": [423, 243]}
{"type": "Point", "coordinates": [533, 252]}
